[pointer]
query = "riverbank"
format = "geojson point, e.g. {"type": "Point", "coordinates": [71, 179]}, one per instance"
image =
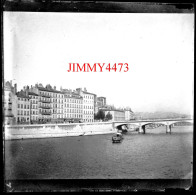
{"type": "Point", "coordinates": [56, 130]}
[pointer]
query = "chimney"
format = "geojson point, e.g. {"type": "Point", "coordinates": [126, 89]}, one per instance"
{"type": "Point", "coordinates": [15, 88]}
{"type": "Point", "coordinates": [85, 89]}
{"type": "Point", "coordinates": [79, 89]}
{"type": "Point", "coordinates": [55, 87]}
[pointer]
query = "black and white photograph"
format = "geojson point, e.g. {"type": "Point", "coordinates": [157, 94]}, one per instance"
{"type": "Point", "coordinates": [97, 96]}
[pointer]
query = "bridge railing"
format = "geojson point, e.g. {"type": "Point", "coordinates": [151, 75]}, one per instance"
{"type": "Point", "coordinates": [147, 120]}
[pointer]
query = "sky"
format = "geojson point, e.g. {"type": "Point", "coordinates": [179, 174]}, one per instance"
{"type": "Point", "coordinates": [159, 50]}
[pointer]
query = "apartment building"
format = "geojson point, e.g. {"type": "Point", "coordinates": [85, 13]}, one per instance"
{"type": "Point", "coordinates": [117, 115]}
{"type": "Point", "coordinates": [10, 103]}
{"type": "Point", "coordinates": [23, 107]}
{"type": "Point", "coordinates": [73, 103]}
{"type": "Point", "coordinates": [38, 104]}
{"type": "Point", "coordinates": [88, 104]}
{"type": "Point", "coordinates": [33, 107]}
{"type": "Point", "coordinates": [101, 101]}
{"type": "Point", "coordinates": [57, 105]}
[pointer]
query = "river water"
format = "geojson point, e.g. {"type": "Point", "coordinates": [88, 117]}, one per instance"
{"type": "Point", "coordinates": [154, 155]}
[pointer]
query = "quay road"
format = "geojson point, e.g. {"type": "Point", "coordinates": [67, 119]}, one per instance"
{"type": "Point", "coordinates": [143, 123]}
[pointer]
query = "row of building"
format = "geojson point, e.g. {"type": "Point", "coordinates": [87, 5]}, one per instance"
{"type": "Point", "coordinates": [39, 104]}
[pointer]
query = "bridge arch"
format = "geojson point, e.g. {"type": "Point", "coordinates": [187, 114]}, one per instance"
{"type": "Point", "coordinates": [139, 124]}
{"type": "Point", "coordinates": [130, 127]}
{"type": "Point", "coordinates": [120, 126]}
{"type": "Point", "coordinates": [176, 122]}
{"type": "Point", "coordinates": [148, 123]}
{"type": "Point", "coordinates": [142, 127]}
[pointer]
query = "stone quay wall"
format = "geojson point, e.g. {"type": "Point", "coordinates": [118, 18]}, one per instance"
{"type": "Point", "coordinates": [12, 132]}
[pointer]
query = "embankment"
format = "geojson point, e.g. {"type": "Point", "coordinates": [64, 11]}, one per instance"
{"type": "Point", "coordinates": [12, 132]}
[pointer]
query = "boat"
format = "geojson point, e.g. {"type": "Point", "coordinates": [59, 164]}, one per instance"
{"type": "Point", "coordinates": [82, 134]}
{"type": "Point", "coordinates": [117, 138]}
{"type": "Point", "coordinates": [124, 131]}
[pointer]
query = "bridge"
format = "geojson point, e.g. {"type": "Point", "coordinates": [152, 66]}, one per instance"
{"type": "Point", "coordinates": [169, 123]}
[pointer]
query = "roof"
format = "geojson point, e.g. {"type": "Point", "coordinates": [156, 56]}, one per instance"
{"type": "Point", "coordinates": [113, 110]}
{"type": "Point", "coordinates": [73, 95]}
{"type": "Point", "coordinates": [22, 96]}
{"type": "Point", "coordinates": [45, 89]}
{"type": "Point", "coordinates": [31, 93]}
{"type": "Point", "coordinates": [8, 86]}
{"type": "Point", "coordinates": [50, 90]}
{"type": "Point", "coordinates": [88, 93]}
{"type": "Point", "coordinates": [101, 97]}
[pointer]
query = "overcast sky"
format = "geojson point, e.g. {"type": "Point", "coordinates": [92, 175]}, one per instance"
{"type": "Point", "coordinates": [159, 49]}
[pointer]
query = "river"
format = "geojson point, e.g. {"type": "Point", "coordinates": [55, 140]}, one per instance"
{"type": "Point", "coordinates": [154, 155]}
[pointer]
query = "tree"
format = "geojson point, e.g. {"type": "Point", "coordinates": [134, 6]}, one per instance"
{"type": "Point", "coordinates": [108, 116]}
{"type": "Point", "coordinates": [100, 115]}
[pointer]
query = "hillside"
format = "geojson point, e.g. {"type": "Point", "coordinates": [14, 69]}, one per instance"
{"type": "Point", "coordinates": [160, 115]}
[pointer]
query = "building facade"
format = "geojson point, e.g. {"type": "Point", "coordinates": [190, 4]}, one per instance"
{"type": "Point", "coordinates": [34, 111]}
{"type": "Point", "coordinates": [57, 105]}
{"type": "Point", "coordinates": [23, 107]}
{"type": "Point", "coordinates": [39, 104]}
{"type": "Point", "coordinates": [42, 103]}
{"type": "Point", "coordinates": [101, 101]}
{"type": "Point", "coordinates": [129, 115]}
{"type": "Point", "coordinates": [88, 105]}
{"type": "Point", "coordinates": [10, 103]}
{"type": "Point", "coordinates": [73, 105]}
{"type": "Point", "coordinates": [117, 115]}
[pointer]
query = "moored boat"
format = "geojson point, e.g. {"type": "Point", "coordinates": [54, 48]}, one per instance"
{"type": "Point", "coordinates": [117, 138]}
